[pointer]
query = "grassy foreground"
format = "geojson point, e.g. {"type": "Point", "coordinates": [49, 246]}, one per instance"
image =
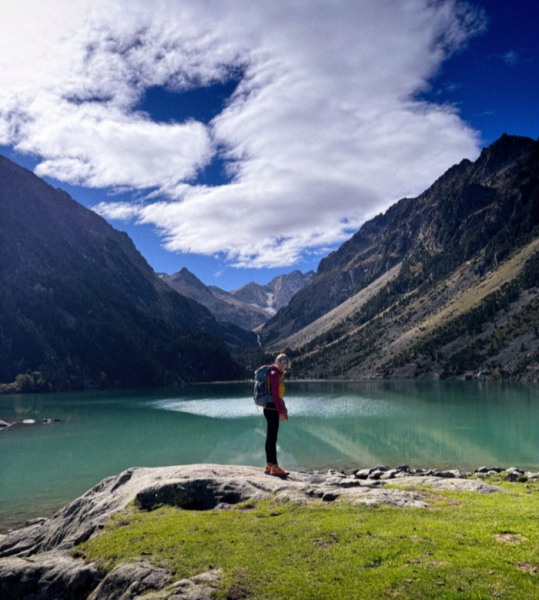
{"type": "Point", "coordinates": [465, 546]}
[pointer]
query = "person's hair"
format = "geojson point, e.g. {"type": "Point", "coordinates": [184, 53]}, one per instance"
{"type": "Point", "coordinates": [282, 357]}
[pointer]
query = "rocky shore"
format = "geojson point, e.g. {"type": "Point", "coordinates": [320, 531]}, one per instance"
{"type": "Point", "coordinates": [6, 424]}
{"type": "Point", "coordinates": [36, 561]}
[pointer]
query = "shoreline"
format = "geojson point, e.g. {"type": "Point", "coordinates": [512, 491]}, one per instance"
{"type": "Point", "coordinates": [191, 499]}
{"type": "Point", "coordinates": [10, 389]}
{"type": "Point", "coordinates": [379, 474]}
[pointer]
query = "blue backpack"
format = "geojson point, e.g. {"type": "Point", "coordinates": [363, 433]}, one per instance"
{"type": "Point", "coordinates": [262, 392]}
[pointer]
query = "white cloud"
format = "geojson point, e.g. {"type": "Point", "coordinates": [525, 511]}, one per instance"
{"type": "Point", "coordinates": [322, 132]}
{"type": "Point", "coordinates": [511, 58]}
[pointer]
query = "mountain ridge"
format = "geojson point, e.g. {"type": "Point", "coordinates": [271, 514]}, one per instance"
{"type": "Point", "coordinates": [475, 217]}
{"type": "Point", "coordinates": [383, 241]}
{"type": "Point", "coordinates": [81, 306]}
{"type": "Point", "coordinates": [250, 306]}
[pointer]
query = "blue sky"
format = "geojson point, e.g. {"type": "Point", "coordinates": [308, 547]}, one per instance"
{"type": "Point", "coordinates": [244, 139]}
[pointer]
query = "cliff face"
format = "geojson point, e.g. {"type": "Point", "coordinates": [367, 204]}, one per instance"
{"type": "Point", "coordinates": [468, 223]}
{"type": "Point", "coordinates": [79, 304]}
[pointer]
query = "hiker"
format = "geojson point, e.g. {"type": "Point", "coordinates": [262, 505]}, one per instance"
{"type": "Point", "coordinates": [275, 411]}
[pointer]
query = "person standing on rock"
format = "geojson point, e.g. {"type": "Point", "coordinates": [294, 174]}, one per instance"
{"type": "Point", "coordinates": [275, 412]}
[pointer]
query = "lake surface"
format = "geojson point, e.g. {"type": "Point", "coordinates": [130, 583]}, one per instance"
{"type": "Point", "coordinates": [341, 425]}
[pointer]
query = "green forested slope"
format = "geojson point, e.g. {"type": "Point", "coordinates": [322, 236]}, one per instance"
{"type": "Point", "coordinates": [478, 223]}
{"type": "Point", "coordinates": [80, 305]}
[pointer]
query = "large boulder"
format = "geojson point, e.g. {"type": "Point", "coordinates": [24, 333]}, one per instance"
{"type": "Point", "coordinates": [35, 563]}
{"type": "Point", "coordinates": [50, 576]}
{"type": "Point", "coordinates": [199, 487]}
{"type": "Point", "coordinates": [130, 580]}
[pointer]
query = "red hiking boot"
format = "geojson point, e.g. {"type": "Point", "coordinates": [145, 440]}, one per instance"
{"type": "Point", "coordinates": [278, 472]}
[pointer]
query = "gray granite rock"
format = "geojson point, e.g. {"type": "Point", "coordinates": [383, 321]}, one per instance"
{"type": "Point", "coordinates": [36, 521]}
{"type": "Point", "coordinates": [34, 561]}
{"type": "Point", "coordinates": [404, 468]}
{"type": "Point", "coordinates": [332, 480]}
{"type": "Point", "coordinates": [488, 469]}
{"type": "Point", "coordinates": [393, 498]}
{"type": "Point", "coordinates": [330, 496]}
{"type": "Point", "coordinates": [198, 587]}
{"type": "Point", "coordinates": [129, 580]}
{"type": "Point", "coordinates": [362, 473]}
{"type": "Point", "coordinates": [142, 586]}
{"type": "Point", "coordinates": [446, 474]}
{"type": "Point", "coordinates": [209, 577]}
{"type": "Point", "coordinates": [47, 576]}
{"type": "Point", "coordinates": [515, 470]}
{"type": "Point", "coordinates": [380, 468]}
{"type": "Point", "coordinates": [197, 493]}
{"type": "Point", "coordinates": [350, 482]}
{"type": "Point", "coordinates": [191, 486]}
{"type": "Point", "coordinates": [342, 481]}
{"type": "Point", "coordinates": [333, 473]}
{"type": "Point", "coordinates": [469, 485]}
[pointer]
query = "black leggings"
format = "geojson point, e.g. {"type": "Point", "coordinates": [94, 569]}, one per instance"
{"type": "Point", "coordinates": [272, 417]}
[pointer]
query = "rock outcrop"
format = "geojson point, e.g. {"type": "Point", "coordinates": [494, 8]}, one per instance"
{"type": "Point", "coordinates": [141, 581]}
{"type": "Point", "coordinates": [35, 563]}
{"type": "Point", "coordinates": [52, 575]}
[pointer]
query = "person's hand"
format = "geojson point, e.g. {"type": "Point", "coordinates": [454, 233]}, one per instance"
{"type": "Point", "coordinates": [284, 417]}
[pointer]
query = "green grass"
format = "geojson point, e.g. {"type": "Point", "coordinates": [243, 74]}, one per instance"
{"type": "Point", "coordinates": [465, 546]}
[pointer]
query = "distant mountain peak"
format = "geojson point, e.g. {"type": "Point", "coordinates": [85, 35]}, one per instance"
{"type": "Point", "coordinates": [505, 150]}
{"type": "Point", "coordinates": [277, 293]}
{"type": "Point", "coordinates": [187, 278]}
{"type": "Point", "coordinates": [249, 306]}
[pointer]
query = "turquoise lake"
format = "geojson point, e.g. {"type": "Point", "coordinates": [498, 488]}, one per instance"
{"type": "Point", "coordinates": [342, 425]}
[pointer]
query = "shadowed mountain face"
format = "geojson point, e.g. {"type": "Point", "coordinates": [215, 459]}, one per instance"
{"type": "Point", "coordinates": [442, 285]}
{"type": "Point", "coordinates": [81, 305]}
{"type": "Point", "coordinates": [249, 306]}
{"type": "Point", "coordinates": [459, 215]}
{"type": "Point", "coordinates": [221, 304]}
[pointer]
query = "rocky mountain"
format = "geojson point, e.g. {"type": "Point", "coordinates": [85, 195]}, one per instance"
{"type": "Point", "coordinates": [249, 306]}
{"type": "Point", "coordinates": [222, 305]}
{"type": "Point", "coordinates": [442, 285]}
{"type": "Point", "coordinates": [80, 306]}
{"type": "Point", "coordinates": [277, 293]}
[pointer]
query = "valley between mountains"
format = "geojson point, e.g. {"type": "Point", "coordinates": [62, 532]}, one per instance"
{"type": "Point", "coordinates": [445, 285]}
